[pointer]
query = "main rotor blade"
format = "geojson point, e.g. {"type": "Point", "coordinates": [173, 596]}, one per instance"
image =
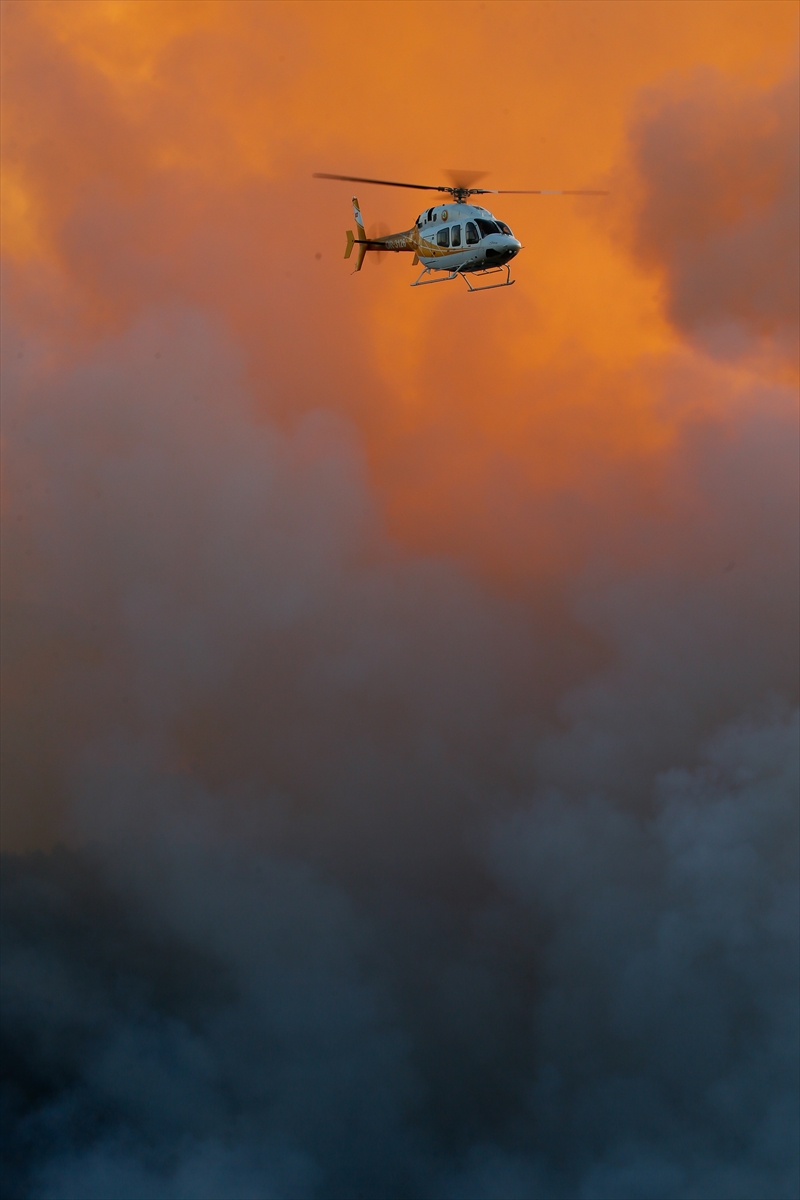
{"type": "Point", "coordinates": [460, 177]}
{"type": "Point", "coordinates": [544, 192]}
{"type": "Point", "coordinates": [434, 187]}
{"type": "Point", "coordinates": [425, 187]}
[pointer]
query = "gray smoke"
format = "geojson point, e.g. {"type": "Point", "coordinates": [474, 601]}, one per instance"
{"type": "Point", "coordinates": [720, 170]}
{"type": "Point", "coordinates": [349, 901]}
{"type": "Point", "coordinates": [339, 872]}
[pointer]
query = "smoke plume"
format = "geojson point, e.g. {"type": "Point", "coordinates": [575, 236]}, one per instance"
{"type": "Point", "coordinates": [339, 869]}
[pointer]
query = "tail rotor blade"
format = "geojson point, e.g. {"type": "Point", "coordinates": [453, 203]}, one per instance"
{"type": "Point", "coordinates": [375, 231]}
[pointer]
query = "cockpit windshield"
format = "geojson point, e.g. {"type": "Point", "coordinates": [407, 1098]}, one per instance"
{"type": "Point", "coordinates": [486, 227]}
{"type": "Point", "coordinates": [504, 229]}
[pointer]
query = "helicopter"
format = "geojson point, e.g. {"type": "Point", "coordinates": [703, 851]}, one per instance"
{"type": "Point", "coordinates": [456, 239]}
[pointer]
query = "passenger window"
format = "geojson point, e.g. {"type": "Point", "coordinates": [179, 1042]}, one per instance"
{"type": "Point", "coordinates": [455, 235]}
{"type": "Point", "coordinates": [443, 237]}
{"type": "Point", "coordinates": [472, 234]}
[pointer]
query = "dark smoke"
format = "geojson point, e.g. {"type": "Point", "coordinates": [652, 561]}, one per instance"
{"type": "Point", "coordinates": [349, 903]}
{"type": "Point", "coordinates": [342, 889]}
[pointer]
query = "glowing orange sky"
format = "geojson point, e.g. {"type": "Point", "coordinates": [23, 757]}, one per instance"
{"type": "Point", "coordinates": [160, 153]}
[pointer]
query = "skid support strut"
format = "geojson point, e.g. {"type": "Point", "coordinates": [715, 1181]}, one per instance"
{"type": "Point", "coordinates": [487, 287]}
{"type": "Point", "coordinates": [445, 277]}
{"type": "Point", "coordinates": [436, 277]}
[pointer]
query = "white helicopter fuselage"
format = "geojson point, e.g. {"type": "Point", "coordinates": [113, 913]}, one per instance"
{"type": "Point", "coordinates": [451, 238]}
{"type": "Point", "coordinates": [464, 238]}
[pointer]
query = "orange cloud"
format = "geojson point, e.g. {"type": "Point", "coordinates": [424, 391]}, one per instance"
{"type": "Point", "coordinates": [160, 154]}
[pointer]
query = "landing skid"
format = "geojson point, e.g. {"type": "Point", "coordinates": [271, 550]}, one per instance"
{"type": "Point", "coordinates": [440, 277]}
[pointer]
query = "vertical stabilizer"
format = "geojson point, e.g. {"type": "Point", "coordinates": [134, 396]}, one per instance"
{"type": "Point", "coordinates": [360, 234]}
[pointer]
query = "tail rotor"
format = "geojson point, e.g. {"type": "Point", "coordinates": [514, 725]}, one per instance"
{"type": "Point", "coordinates": [377, 230]}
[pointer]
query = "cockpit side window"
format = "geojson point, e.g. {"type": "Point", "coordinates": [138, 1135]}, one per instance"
{"type": "Point", "coordinates": [443, 238]}
{"type": "Point", "coordinates": [455, 235]}
{"type": "Point", "coordinates": [473, 237]}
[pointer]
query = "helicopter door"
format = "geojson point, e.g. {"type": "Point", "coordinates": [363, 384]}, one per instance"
{"type": "Point", "coordinates": [473, 237]}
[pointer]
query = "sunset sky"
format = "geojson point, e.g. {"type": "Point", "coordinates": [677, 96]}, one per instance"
{"type": "Point", "coordinates": [441, 615]}
{"type": "Point", "coordinates": [159, 155]}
